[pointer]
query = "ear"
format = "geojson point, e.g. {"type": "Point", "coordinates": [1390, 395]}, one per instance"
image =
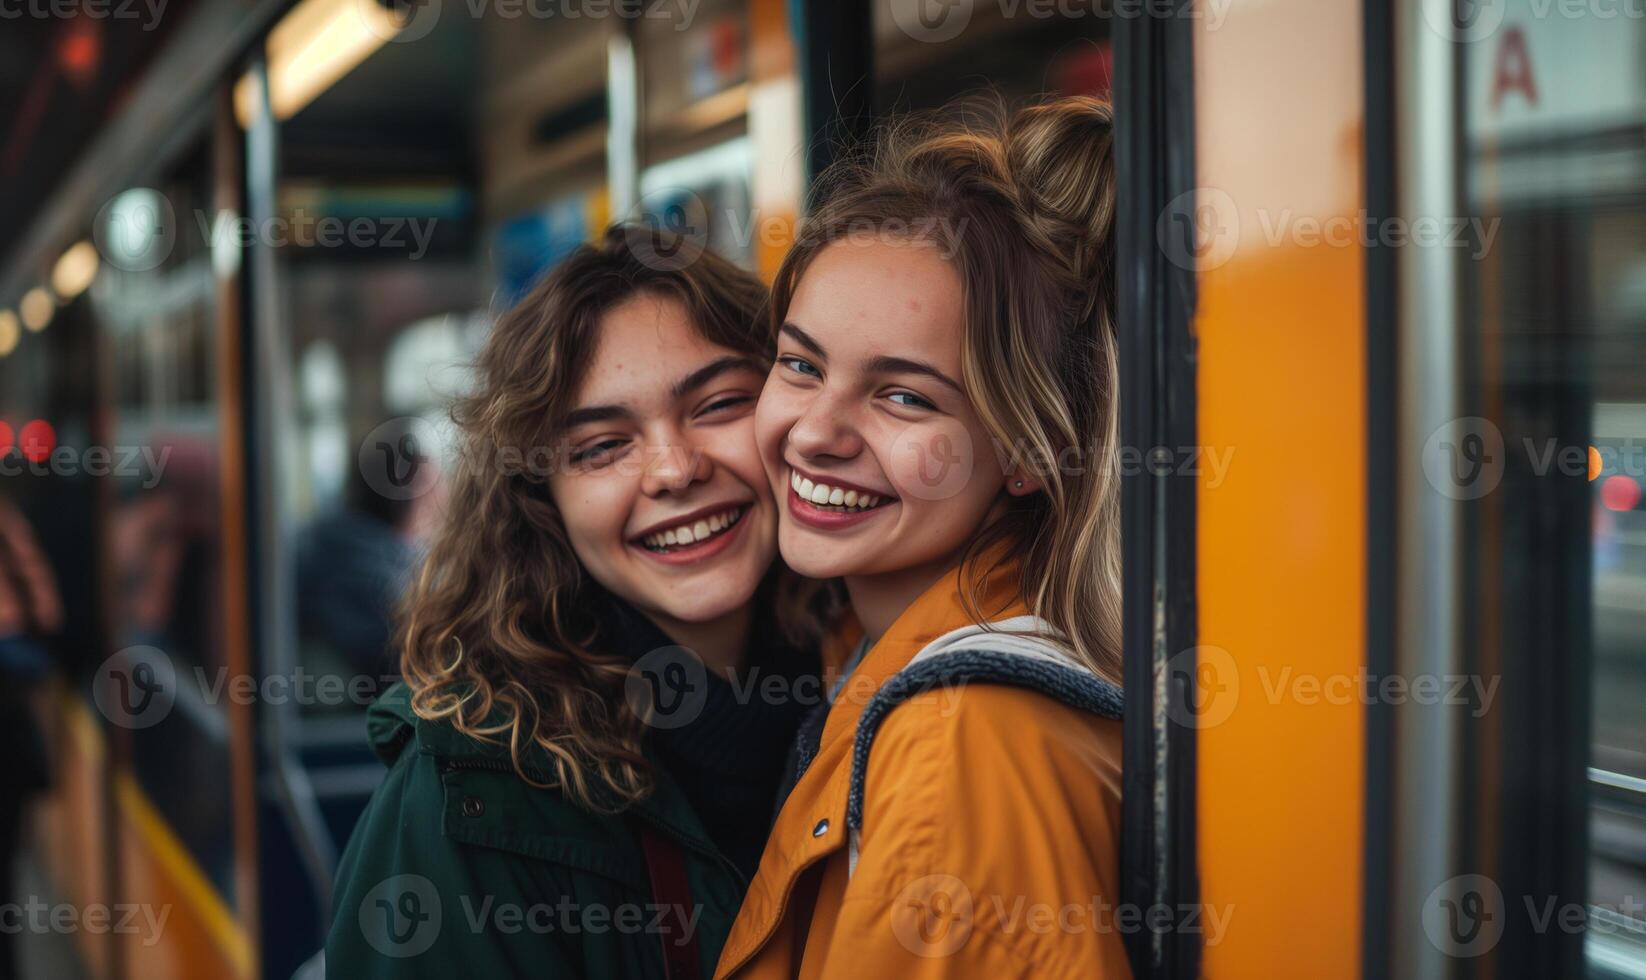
{"type": "Point", "coordinates": [1021, 483]}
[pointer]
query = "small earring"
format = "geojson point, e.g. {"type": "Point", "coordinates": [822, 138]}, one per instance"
{"type": "Point", "coordinates": [1018, 484]}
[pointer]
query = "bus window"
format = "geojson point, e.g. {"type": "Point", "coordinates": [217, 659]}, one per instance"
{"type": "Point", "coordinates": [1556, 330]}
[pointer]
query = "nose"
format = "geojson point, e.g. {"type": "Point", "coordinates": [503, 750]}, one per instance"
{"type": "Point", "coordinates": [827, 428]}
{"type": "Point", "coordinates": [673, 466]}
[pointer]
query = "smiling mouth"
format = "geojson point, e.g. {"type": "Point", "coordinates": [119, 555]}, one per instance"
{"type": "Point", "coordinates": [829, 498]}
{"type": "Point", "coordinates": [693, 533]}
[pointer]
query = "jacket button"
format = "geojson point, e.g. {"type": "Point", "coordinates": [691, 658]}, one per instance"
{"type": "Point", "coordinates": [821, 828]}
{"type": "Point", "coordinates": [473, 806]}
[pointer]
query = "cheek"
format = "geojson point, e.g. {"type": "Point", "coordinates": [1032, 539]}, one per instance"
{"type": "Point", "coordinates": [594, 508]}
{"type": "Point", "coordinates": [774, 416]}
{"type": "Point", "coordinates": [937, 460]}
{"type": "Point", "coordinates": [733, 447]}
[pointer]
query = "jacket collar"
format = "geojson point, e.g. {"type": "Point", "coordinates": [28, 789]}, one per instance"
{"type": "Point", "coordinates": [812, 824]}
{"type": "Point", "coordinates": [987, 583]}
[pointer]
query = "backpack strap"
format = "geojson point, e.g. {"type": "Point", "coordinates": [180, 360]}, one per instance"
{"type": "Point", "coordinates": [1045, 672]}
{"type": "Point", "coordinates": [666, 863]}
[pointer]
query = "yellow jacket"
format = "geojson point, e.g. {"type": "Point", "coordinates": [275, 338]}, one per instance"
{"type": "Point", "coordinates": [989, 815]}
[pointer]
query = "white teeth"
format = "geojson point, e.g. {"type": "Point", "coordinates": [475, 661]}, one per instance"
{"type": "Point", "coordinates": [823, 495]}
{"type": "Point", "coordinates": [692, 533]}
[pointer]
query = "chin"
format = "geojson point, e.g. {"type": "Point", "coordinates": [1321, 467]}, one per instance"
{"type": "Point", "coordinates": [816, 556]}
{"type": "Point", "coordinates": [693, 604]}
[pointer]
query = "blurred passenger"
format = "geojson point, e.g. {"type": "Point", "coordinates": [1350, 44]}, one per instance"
{"type": "Point", "coordinates": [940, 423]}
{"type": "Point", "coordinates": [354, 563]}
{"type": "Point", "coordinates": [29, 608]}
{"type": "Point", "coordinates": [552, 754]}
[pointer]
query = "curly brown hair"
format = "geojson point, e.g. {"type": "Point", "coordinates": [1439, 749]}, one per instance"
{"type": "Point", "coordinates": [498, 635]}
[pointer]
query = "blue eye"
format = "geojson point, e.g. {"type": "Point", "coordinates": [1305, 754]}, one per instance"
{"type": "Point", "coordinates": [800, 366]}
{"type": "Point", "coordinates": [914, 400]}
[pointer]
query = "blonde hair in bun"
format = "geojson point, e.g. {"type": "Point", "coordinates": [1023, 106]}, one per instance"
{"type": "Point", "coordinates": [1022, 204]}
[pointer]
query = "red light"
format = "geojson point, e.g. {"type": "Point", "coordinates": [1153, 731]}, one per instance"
{"type": "Point", "coordinates": [1620, 493]}
{"type": "Point", "coordinates": [37, 439]}
{"type": "Point", "coordinates": [5, 438]}
{"type": "Point", "coordinates": [79, 50]}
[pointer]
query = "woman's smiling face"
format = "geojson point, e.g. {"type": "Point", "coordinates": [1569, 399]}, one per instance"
{"type": "Point", "coordinates": [661, 488]}
{"type": "Point", "coordinates": [868, 437]}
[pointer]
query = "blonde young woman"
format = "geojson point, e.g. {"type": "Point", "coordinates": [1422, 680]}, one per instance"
{"type": "Point", "coordinates": [538, 819]}
{"type": "Point", "coordinates": [939, 427]}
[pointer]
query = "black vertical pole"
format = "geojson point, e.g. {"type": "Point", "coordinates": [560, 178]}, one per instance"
{"type": "Point", "coordinates": [1154, 138]}
{"type": "Point", "coordinates": [835, 40]}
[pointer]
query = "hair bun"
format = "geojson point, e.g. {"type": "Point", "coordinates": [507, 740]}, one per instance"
{"type": "Point", "coordinates": [1061, 159]}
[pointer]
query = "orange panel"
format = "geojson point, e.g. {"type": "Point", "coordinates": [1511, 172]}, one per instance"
{"type": "Point", "coordinates": [1282, 541]}
{"type": "Point", "coordinates": [68, 822]}
{"type": "Point", "coordinates": [185, 929]}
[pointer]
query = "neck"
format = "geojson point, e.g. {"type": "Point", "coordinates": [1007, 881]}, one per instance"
{"type": "Point", "coordinates": [878, 600]}
{"type": "Point", "coordinates": [721, 644]}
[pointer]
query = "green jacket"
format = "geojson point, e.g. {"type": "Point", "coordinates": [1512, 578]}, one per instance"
{"type": "Point", "coordinates": [459, 868]}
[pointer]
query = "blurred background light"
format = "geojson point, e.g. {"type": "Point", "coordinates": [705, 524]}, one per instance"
{"type": "Point", "coordinates": [316, 44]}
{"type": "Point", "coordinates": [37, 308]}
{"type": "Point", "coordinates": [74, 271]}
{"type": "Point", "coordinates": [10, 332]}
{"type": "Point", "coordinates": [1620, 492]}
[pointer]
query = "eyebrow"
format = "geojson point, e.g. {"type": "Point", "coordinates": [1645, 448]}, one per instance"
{"type": "Point", "coordinates": [805, 340]}
{"type": "Point", "coordinates": [697, 379]}
{"type": "Point", "coordinates": [884, 364]}
{"type": "Point", "coordinates": [710, 371]}
{"type": "Point", "coordinates": [903, 365]}
{"type": "Point", "coordinates": [595, 413]}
